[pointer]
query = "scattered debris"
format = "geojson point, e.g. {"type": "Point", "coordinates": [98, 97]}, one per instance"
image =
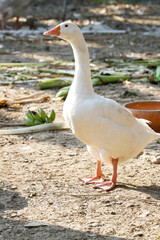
{"type": "Point", "coordinates": [15, 103]}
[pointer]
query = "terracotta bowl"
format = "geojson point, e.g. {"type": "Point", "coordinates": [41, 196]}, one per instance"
{"type": "Point", "coordinates": [149, 110]}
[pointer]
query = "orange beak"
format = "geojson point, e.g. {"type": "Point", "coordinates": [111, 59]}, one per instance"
{"type": "Point", "coordinates": [53, 32]}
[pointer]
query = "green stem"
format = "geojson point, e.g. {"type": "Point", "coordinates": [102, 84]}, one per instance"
{"type": "Point", "coordinates": [37, 128]}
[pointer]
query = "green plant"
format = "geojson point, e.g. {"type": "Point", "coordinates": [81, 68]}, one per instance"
{"type": "Point", "coordinates": [40, 117]}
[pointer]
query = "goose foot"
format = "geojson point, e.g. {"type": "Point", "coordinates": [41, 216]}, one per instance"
{"type": "Point", "coordinates": [107, 186]}
{"type": "Point", "coordinates": [99, 178]}
{"type": "Point", "coordinates": [89, 180]}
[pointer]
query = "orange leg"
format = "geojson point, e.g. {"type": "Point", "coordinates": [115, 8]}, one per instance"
{"type": "Point", "coordinates": [99, 178]}
{"type": "Point", "coordinates": [17, 26]}
{"type": "Point", "coordinates": [111, 184]}
{"type": "Point", "coordinates": [3, 25]}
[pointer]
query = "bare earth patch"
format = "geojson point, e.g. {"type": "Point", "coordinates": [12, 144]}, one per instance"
{"type": "Point", "coordinates": [39, 172]}
{"type": "Point", "coordinates": [38, 182]}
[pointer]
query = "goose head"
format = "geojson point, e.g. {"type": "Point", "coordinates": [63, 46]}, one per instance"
{"type": "Point", "coordinates": [66, 30]}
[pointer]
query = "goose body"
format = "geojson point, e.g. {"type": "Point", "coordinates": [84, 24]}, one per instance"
{"type": "Point", "coordinates": [111, 133]}
{"type": "Point", "coordinates": [107, 128]}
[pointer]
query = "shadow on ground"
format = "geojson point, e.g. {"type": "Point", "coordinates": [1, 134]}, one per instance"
{"type": "Point", "coordinates": [16, 229]}
{"type": "Point", "coordinates": [153, 190]}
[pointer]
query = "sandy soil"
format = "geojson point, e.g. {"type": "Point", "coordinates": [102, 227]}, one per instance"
{"type": "Point", "coordinates": [38, 172]}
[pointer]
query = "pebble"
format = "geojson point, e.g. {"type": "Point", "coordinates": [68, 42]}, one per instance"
{"type": "Point", "coordinates": [2, 206]}
{"type": "Point", "coordinates": [13, 187]}
{"type": "Point", "coordinates": [13, 215]}
{"type": "Point", "coordinates": [35, 224]}
{"type": "Point", "coordinates": [156, 160]}
{"type": "Point", "coordinates": [2, 228]}
{"type": "Point", "coordinates": [94, 224]}
{"type": "Point", "coordinates": [145, 213]}
{"type": "Point", "coordinates": [113, 213]}
{"type": "Point", "coordinates": [138, 234]}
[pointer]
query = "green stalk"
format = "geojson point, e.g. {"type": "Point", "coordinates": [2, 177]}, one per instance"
{"type": "Point", "coordinates": [111, 78]}
{"type": "Point", "coordinates": [96, 81]}
{"type": "Point", "coordinates": [37, 128]}
{"type": "Point", "coordinates": [54, 83]}
{"type": "Point", "coordinates": [62, 93]}
{"type": "Point", "coordinates": [58, 72]}
{"type": "Point", "coordinates": [157, 74]}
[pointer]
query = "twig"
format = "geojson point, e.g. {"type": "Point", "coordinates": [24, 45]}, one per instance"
{"type": "Point", "coordinates": [42, 99]}
{"type": "Point", "coordinates": [87, 195]}
{"type": "Point", "coordinates": [29, 97]}
{"type": "Point", "coordinates": [14, 103]}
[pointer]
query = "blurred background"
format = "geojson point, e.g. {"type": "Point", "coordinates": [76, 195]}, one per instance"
{"type": "Point", "coordinates": [113, 29]}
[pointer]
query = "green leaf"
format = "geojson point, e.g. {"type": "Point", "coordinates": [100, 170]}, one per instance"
{"type": "Point", "coordinates": [42, 114]}
{"type": "Point", "coordinates": [38, 117]}
{"type": "Point", "coordinates": [29, 122]}
{"type": "Point", "coordinates": [47, 119]}
{"type": "Point", "coordinates": [38, 122]}
{"type": "Point", "coordinates": [30, 115]}
{"type": "Point", "coordinates": [52, 116]}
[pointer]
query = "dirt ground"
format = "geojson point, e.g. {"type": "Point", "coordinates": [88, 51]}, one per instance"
{"type": "Point", "coordinates": [39, 172]}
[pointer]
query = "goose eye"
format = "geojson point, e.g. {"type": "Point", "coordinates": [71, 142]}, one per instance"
{"type": "Point", "coordinates": [66, 25]}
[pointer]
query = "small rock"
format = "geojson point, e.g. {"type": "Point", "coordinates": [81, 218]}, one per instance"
{"type": "Point", "coordinates": [138, 234]}
{"type": "Point", "coordinates": [113, 213]}
{"type": "Point", "coordinates": [156, 160]}
{"type": "Point", "coordinates": [93, 235]}
{"type": "Point", "coordinates": [13, 187]}
{"type": "Point", "coordinates": [111, 230]}
{"type": "Point", "coordinates": [26, 148]}
{"type": "Point", "coordinates": [50, 202]}
{"type": "Point", "coordinates": [94, 224]}
{"type": "Point", "coordinates": [2, 228]}
{"type": "Point", "coordinates": [13, 215]}
{"type": "Point", "coordinates": [35, 224]}
{"type": "Point", "coordinates": [145, 213]}
{"type": "Point", "coordinates": [131, 175]}
{"type": "Point", "coordinates": [14, 196]}
{"type": "Point", "coordinates": [2, 206]}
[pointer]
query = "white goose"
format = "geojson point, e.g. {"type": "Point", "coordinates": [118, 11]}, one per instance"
{"type": "Point", "coordinates": [112, 134]}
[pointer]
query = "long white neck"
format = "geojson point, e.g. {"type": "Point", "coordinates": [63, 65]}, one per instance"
{"type": "Point", "coordinates": [82, 82]}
